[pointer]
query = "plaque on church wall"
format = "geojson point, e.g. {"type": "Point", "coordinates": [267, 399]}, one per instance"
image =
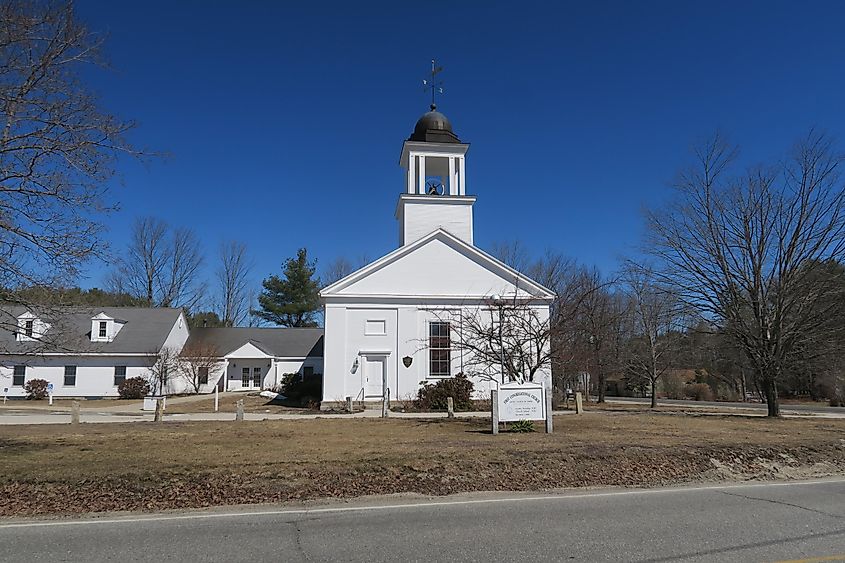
{"type": "Point", "coordinates": [521, 401]}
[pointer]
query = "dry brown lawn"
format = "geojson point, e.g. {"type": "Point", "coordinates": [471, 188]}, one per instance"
{"type": "Point", "coordinates": [147, 466]}
{"type": "Point", "coordinates": [228, 403]}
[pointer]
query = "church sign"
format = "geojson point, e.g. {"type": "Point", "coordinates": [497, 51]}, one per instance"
{"type": "Point", "coordinates": [521, 401]}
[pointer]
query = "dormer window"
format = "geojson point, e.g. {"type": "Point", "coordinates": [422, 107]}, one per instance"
{"type": "Point", "coordinates": [30, 327]}
{"type": "Point", "coordinates": [104, 328]}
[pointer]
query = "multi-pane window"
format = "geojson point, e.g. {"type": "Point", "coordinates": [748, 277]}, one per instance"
{"type": "Point", "coordinates": [203, 375]}
{"type": "Point", "coordinates": [27, 328]}
{"type": "Point", "coordinates": [245, 377]}
{"type": "Point", "coordinates": [119, 374]}
{"type": "Point", "coordinates": [70, 376]}
{"type": "Point", "coordinates": [256, 377]}
{"type": "Point", "coordinates": [103, 326]}
{"type": "Point", "coordinates": [439, 349]}
{"type": "Point", "coordinates": [19, 376]}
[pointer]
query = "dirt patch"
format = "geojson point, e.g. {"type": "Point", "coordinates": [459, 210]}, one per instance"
{"type": "Point", "coordinates": [144, 466]}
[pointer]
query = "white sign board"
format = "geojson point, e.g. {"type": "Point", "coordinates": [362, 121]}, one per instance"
{"type": "Point", "coordinates": [521, 401]}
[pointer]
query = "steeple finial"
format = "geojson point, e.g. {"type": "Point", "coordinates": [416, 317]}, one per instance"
{"type": "Point", "coordinates": [436, 86]}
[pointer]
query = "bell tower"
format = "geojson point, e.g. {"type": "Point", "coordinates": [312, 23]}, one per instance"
{"type": "Point", "coordinates": [434, 160]}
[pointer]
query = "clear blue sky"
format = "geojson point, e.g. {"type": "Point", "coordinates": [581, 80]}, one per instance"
{"type": "Point", "coordinates": [284, 120]}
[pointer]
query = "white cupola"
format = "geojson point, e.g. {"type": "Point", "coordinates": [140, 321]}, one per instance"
{"type": "Point", "coordinates": [435, 182]}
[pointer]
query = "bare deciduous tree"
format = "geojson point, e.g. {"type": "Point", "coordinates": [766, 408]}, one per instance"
{"type": "Point", "coordinates": [600, 318]}
{"type": "Point", "coordinates": [196, 363]}
{"type": "Point", "coordinates": [58, 148]}
{"type": "Point", "coordinates": [658, 326]}
{"type": "Point", "coordinates": [513, 253]}
{"type": "Point", "coordinates": [505, 339]}
{"type": "Point", "coordinates": [338, 269]}
{"type": "Point", "coordinates": [233, 283]}
{"type": "Point", "coordinates": [163, 366]}
{"type": "Point", "coordinates": [342, 267]}
{"type": "Point", "coordinates": [741, 249]}
{"type": "Point", "coordinates": [160, 266]}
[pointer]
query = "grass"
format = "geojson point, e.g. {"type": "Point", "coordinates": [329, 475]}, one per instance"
{"type": "Point", "coordinates": [146, 466]}
{"type": "Point", "coordinates": [65, 404]}
{"type": "Point", "coordinates": [253, 402]}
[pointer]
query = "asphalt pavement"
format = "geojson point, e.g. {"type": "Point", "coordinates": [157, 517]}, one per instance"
{"type": "Point", "coordinates": [802, 521]}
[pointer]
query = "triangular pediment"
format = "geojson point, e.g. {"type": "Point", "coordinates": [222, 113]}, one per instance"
{"type": "Point", "coordinates": [437, 265]}
{"type": "Point", "coordinates": [249, 350]}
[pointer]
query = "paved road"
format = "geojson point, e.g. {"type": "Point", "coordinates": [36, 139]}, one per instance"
{"type": "Point", "coordinates": [764, 522]}
{"type": "Point", "coordinates": [802, 408]}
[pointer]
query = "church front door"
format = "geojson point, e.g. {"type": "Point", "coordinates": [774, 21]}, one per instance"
{"type": "Point", "coordinates": [375, 368]}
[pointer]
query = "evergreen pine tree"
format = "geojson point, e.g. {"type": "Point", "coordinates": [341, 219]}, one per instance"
{"type": "Point", "coordinates": [291, 301]}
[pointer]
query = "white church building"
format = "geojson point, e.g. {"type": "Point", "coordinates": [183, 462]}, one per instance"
{"type": "Point", "coordinates": [391, 326]}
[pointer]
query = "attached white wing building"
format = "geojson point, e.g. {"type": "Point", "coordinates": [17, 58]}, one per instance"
{"type": "Point", "coordinates": [387, 325]}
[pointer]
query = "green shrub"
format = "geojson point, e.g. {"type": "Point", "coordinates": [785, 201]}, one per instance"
{"type": "Point", "coordinates": [306, 390]}
{"type": "Point", "coordinates": [133, 388]}
{"type": "Point", "coordinates": [522, 426]}
{"type": "Point", "coordinates": [36, 389]}
{"type": "Point", "coordinates": [698, 392]}
{"type": "Point", "coordinates": [432, 396]}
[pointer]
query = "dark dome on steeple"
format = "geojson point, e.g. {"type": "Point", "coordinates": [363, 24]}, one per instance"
{"type": "Point", "coordinates": [434, 127]}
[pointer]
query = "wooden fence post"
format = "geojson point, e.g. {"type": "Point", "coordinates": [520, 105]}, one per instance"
{"type": "Point", "coordinates": [159, 410]}
{"type": "Point", "coordinates": [547, 391]}
{"type": "Point", "coordinates": [348, 404]}
{"type": "Point", "coordinates": [450, 407]}
{"type": "Point", "coordinates": [74, 412]}
{"type": "Point", "coordinates": [579, 403]}
{"type": "Point", "coordinates": [239, 413]}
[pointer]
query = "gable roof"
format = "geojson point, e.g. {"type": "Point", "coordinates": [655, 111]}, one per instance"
{"type": "Point", "coordinates": [274, 341]}
{"type": "Point", "coordinates": [469, 255]}
{"type": "Point", "coordinates": [144, 330]}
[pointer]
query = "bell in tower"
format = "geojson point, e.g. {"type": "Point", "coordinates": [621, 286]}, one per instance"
{"type": "Point", "coordinates": [435, 181]}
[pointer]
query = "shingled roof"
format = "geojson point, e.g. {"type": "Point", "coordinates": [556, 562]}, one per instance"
{"type": "Point", "coordinates": [277, 342]}
{"type": "Point", "coordinates": [144, 330]}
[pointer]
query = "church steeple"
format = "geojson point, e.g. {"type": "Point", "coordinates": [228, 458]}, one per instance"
{"type": "Point", "coordinates": [434, 159]}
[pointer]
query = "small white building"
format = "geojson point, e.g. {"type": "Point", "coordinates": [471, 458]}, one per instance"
{"type": "Point", "coordinates": [257, 358]}
{"type": "Point", "coordinates": [387, 325]}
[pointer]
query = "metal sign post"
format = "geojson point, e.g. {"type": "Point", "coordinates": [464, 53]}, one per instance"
{"type": "Point", "coordinates": [50, 394]}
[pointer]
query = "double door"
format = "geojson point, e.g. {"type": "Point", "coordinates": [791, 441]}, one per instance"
{"type": "Point", "coordinates": [251, 377]}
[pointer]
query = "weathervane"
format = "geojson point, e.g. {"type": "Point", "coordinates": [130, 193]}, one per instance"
{"type": "Point", "coordinates": [436, 86]}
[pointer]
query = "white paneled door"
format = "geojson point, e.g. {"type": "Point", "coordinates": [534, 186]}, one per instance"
{"type": "Point", "coordinates": [374, 370]}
